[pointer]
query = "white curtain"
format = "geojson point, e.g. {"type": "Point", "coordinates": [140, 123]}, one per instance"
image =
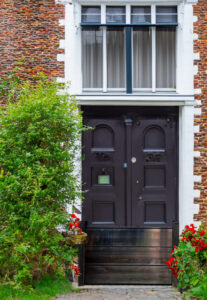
{"type": "Point", "coordinates": [142, 58]}
{"type": "Point", "coordinates": [165, 58]}
{"type": "Point", "coordinates": [92, 58]}
{"type": "Point", "coordinates": [116, 58]}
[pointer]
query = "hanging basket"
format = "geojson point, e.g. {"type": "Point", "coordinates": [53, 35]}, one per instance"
{"type": "Point", "coordinates": [75, 239]}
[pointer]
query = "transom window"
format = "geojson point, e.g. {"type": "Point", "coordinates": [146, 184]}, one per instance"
{"type": "Point", "coordinates": [129, 48]}
{"type": "Point", "coordinates": [140, 14]}
{"type": "Point", "coordinates": [115, 14]}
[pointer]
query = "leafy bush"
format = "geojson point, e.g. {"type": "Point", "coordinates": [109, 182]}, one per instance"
{"type": "Point", "coordinates": [189, 260]}
{"type": "Point", "coordinates": [8, 84]}
{"type": "Point", "coordinates": [45, 289]}
{"type": "Point", "coordinates": [38, 142]}
{"type": "Point", "coordinates": [199, 292]}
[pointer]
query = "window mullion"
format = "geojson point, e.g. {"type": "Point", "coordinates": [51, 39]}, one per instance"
{"type": "Point", "coordinates": [153, 59]}
{"type": "Point", "coordinates": [128, 49]}
{"type": "Point", "coordinates": [128, 14]}
{"type": "Point", "coordinates": [103, 21]}
{"type": "Point", "coordinates": [153, 13]}
{"type": "Point", "coordinates": [103, 14]}
{"type": "Point", "coordinates": [128, 41]}
{"type": "Point", "coordinates": [104, 59]}
{"type": "Point", "coordinates": [153, 20]}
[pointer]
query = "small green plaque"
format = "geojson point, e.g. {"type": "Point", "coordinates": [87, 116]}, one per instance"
{"type": "Point", "coordinates": [103, 179]}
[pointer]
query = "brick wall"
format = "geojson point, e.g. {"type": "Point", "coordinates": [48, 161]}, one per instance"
{"type": "Point", "coordinates": [200, 82]}
{"type": "Point", "coordinates": [30, 29]}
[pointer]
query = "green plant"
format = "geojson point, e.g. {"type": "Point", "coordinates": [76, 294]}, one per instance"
{"type": "Point", "coordinates": [38, 143]}
{"type": "Point", "coordinates": [45, 289]}
{"type": "Point", "coordinates": [8, 84]}
{"type": "Point", "coordinates": [189, 260]}
{"type": "Point", "coordinates": [199, 292]}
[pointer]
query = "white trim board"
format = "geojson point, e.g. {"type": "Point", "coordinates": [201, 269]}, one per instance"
{"type": "Point", "coordinates": [136, 2]}
{"type": "Point", "coordinates": [187, 207]}
{"type": "Point", "coordinates": [136, 100]}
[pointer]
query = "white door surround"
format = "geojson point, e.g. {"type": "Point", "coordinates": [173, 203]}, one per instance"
{"type": "Point", "coordinates": [184, 96]}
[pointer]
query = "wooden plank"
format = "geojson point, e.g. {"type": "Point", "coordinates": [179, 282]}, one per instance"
{"type": "Point", "coordinates": [142, 237]}
{"type": "Point", "coordinates": [117, 274]}
{"type": "Point", "coordinates": [130, 255]}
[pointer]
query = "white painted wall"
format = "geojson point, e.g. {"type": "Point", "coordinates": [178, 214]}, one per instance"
{"type": "Point", "coordinates": [185, 49]}
{"type": "Point", "coordinates": [187, 208]}
{"type": "Point", "coordinates": [73, 73]}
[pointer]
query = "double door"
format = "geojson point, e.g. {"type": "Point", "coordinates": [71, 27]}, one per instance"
{"type": "Point", "coordinates": [130, 184]}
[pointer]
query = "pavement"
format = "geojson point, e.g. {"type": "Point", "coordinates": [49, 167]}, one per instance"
{"type": "Point", "coordinates": [123, 293]}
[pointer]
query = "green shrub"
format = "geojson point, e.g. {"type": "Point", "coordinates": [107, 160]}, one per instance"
{"type": "Point", "coordinates": [199, 292]}
{"type": "Point", "coordinates": [8, 84]}
{"type": "Point", "coordinates": [38, 141]}
{"type": "Point", "coordinates": [45, 289]}
{"type": "Point", "coordinates": [189, 260]}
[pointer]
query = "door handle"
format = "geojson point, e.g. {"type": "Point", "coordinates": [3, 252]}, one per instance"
{"type": "Point", "coordinates": [140, 198]}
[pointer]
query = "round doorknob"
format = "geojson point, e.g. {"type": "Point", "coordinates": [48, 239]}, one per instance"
{"type": "Point", "coordinates": [133, 160]}
{"type": "Point", "coordinates": [140, 198]}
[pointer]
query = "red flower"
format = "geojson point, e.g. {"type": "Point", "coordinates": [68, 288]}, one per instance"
{"type": "Point", "coordinates": [76, 269]}
{"type": "Point", "coordinates": [73, 216]}
{"type": "Point", "coordinates": [81, 231]}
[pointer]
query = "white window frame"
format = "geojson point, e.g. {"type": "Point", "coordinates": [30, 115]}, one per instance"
{"type": "Point", "coordinates": [184, 48]}
{"type": "Point", "coordinates": [105, 89]}
{"type": "Point", "coordinates": [154, 89]}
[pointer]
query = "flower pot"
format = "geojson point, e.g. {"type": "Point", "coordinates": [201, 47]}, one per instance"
{"type": "Point", "coordinates": [76, 239]}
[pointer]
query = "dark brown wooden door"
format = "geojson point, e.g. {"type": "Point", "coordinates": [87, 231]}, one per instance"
{"type": "Point", "coordinates": [130, 184]}
{"type": "Point", "coordinates": [104, 175]}
{"type": "Point", "coordinates": [154, 174]}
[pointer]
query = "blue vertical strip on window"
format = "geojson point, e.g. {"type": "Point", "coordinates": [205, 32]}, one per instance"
{"type": "Point", "coordinates": [128, 60]}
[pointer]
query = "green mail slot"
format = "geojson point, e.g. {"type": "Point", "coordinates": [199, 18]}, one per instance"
{"type": "Point", "coordinates": [103, 179]}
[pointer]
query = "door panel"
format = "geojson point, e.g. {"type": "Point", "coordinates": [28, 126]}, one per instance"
{"type": "Point", "coordinates": [139, 237]}
{"type": "Point", "coordinates": [127, 255]}
{"type": "Point", "coordinates": [154, 174]}
{"type": "Point", "coordinates": [130, 185]}
{"type": "Point", "coordinates": [127, 274]}
{"type": "Point", "coordinates": [104, 179]}
{"type": "Point", "coordinates": [119, 256]}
